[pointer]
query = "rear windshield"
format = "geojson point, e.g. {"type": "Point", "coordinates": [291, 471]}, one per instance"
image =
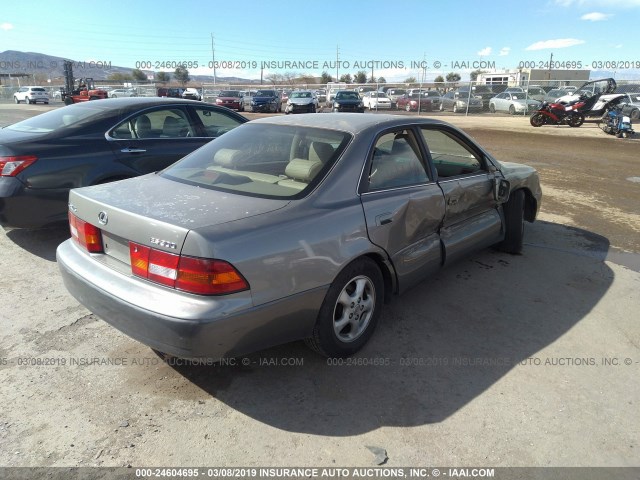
{"type": "Point", "coordinates": [73, 116]}
{"type": "Point", "coordinates": [262, 160]}
{"type": "Point", "coordinates": [230, 93]}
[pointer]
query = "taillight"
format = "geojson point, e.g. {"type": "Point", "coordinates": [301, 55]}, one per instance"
{"type": "Point", "coordinates": [190, 274]}
{"type": "Point", "coordinates": [87, 235]}
{"type": "Point", "coordinates": [11, 166]}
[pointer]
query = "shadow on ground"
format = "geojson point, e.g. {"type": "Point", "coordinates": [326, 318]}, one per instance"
{"type": "Point", "coordinates": [41, 242]}
{"type": "Point", "coordinates": [439, 346]}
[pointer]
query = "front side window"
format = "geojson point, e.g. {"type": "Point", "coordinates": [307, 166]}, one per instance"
{"type": "Point", "coordinates": [267, 161]}
{"type": "Point", "coordinates": [396, 162]}
{"type": "Point", "coordinates": [450, 155]}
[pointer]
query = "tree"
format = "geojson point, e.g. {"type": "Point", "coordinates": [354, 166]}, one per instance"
{"type": "Point", "coordinates": [453, 77]}
{"type": "Point", "coordinates": [410, 80]}
{"type": "Point", "coordinates": [274, 78]}
{"type": "Point", "coordinates": [382, 80]}
{"type": "Point", "coordinates": [181, 74]}
{"type": "Point", "coordinates": [372, 79]}
{"type": "Point", "coordinates": [346, 78]}
{"type": "Point", "coordinates": [119, 77]}
{"type": "Point", "coordinates": [163, 77]}
{"type": "Point", "coordinates": [326, 78]}
{"type": "Point", "coordinates": [360, 77]}
{"type": "Point", "coordinates": [473, 76]}
{"type": "Point", "coordinates": [439, 79]}
{"type": "Point", "coordinates": [138, 75]}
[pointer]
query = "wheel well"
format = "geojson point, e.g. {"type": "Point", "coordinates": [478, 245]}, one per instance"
{"type": "Point", "coordinates": [390, 284]}
{"type": "Point", "coordinates": [530, 206]}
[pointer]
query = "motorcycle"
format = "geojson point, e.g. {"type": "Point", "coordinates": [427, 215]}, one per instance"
{"type": "Point", "coordinates": [614, 122]}
{"type": "Point", "coordinates": [558, 114]}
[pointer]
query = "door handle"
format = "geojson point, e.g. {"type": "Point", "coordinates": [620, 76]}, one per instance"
{"type": "Point", "coordinates": [452, 201]}
{"type": "Point", "coordinates": [384, 219]}
{"type": "Point", "coordinates": [133, 150]}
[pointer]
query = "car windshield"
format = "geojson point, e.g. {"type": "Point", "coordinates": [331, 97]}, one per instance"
{"type": "Point", "coordinates": [73, 116]}
{"type": "Point", "coordinates": [347, 96]}
{"type": "Point", "coordinates": [265, 93]}
{"type": "Point", "coordinates": [397, 91]}
{"type": "Point", "coordinates": [262, 160]}
{"type": "Point", "coordinates": [230, 93]}
{"type": "Point", "coordinates": [301, 95]}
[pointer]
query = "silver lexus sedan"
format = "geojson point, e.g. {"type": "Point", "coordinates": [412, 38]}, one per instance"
{"type": "Point", "coordinates": [288, 228]}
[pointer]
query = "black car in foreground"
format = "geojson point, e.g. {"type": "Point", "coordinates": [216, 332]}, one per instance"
{"type": "Point", "coordinates": [347, 101]}
{"type": "Point", "coordinates": [90, 143]}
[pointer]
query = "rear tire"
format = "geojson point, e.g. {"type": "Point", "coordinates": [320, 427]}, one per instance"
{"type": "Point", "coordinates": [512, 110]}
{"type": "Point", "coordinates": [576, 120]}
{"type": "Point", "coordinates": [15, 99]}
{"type": "Point", "coordinates": [537, 119]}
{"type": "Point", "coordinates": [492, 108]}
{"type": "Point", "coordinates": [407, 107]}
{"type": "Point", "coordinates": [350, 310]}
{"type": "Point", "coordinates": [514, 223]}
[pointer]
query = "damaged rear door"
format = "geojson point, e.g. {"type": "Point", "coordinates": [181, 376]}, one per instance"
{"type": "Point", "coordinates": [403, 206]}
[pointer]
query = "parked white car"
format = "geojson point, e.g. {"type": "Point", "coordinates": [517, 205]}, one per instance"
{"type": "Point", "coordinates": [376, 100]}
{"type": "Point", "coordinates": [31, 95]}
{"type": "Point", "coordinates": [122, 92]}
{"type": "Point", "coordinates": [513, 103]}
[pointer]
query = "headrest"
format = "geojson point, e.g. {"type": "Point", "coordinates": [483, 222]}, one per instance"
{"type": "Point", "coordinates": [227, 157]}
{"type": "Point", "coordinates": [320, 152]}
{"type": "Point", "coordinates": [303, 170]}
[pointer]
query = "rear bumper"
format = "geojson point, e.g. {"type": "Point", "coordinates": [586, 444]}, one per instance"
{"type": "Point", "coordinates": [180, 324]}
{"type": "Point", "coordinates": [23, 207]}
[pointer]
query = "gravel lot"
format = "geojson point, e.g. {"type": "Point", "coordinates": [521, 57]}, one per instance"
{"type": "Point", "coordinates": [499, 360]}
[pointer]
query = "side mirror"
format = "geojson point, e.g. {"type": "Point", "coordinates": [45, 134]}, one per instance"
{"type": "Point", "coordinates": [502, 189]}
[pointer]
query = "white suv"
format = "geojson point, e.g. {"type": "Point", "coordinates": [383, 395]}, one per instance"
{"type": "Point", "coordinates": [31, 95]}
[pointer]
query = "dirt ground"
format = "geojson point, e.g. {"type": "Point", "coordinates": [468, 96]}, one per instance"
{"type": "Point", "coordinates": [499, 360]}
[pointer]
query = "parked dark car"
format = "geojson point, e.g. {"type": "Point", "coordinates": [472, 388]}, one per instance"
{"type": "Point", "coordinates": [266, 101]}
{"type": "Point", "coordinates": [485, 92]}
{"type": "Point", "coordinates": [347, 101]}
{"type": "Point", "coordinates": [457, 101]}
{"type": "Point", "coordinates": [170, 92]}
{"type": "Point", "coordinates": [88, 143]}
{"type": "Point", "coordinates": [290, 228]}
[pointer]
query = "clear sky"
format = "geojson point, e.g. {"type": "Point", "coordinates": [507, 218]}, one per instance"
{"type": "Point", "coordinates": [449, 35]}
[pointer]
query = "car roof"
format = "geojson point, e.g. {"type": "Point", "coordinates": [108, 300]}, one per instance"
{"type": "Point", "coordinates": [347, 122]}
{"type": "Point", "coordinates": [137, 101]}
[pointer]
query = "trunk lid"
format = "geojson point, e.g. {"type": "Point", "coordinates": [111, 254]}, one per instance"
{"type": "Point", "coordinates": [158, 212]}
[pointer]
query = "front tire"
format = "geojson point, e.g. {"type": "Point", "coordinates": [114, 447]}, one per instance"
{"type": "Point", "coordinates": [407, 107]}
{"type": "Point", "coordinates": [492, 108]}
{"type": "Point", "coordinates": [350, 311]}
{"type": "Point", "coordinates": [537, 119]}
{"type": "Point", "coordinates": [455, 108]}
{"type": "Point", "coordinates": [15, 99]}
{"type": "Point", "coordinates": [512, 110]}
{"type": "Point", "coordinates": [514, 223]}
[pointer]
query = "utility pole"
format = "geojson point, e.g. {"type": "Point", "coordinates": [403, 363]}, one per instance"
{"type": "Point", "coordinates": [337, 62]}
{"type": "Point", "coordinates": [213, 55]}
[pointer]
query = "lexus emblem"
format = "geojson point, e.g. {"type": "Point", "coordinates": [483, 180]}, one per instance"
{"type": "Point", "coordinates": [103, 218]}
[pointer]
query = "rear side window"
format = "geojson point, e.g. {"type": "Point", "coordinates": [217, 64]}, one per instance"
{"type": "Point", "coordinates": [164, 123]}
{"type": "Point", "coordinates": [396, 162]}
